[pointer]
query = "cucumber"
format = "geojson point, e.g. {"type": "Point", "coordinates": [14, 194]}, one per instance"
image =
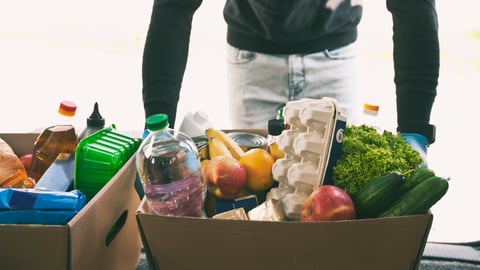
{"type": "Point", "coordinates": [419, 199]}
{"type": "Point", "coordinates": [377, 195]}
{"type": "Point", "coordinates": [415, 178]}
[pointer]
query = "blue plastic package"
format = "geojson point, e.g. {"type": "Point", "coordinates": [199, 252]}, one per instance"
{"type": "Point", "coordinates": [59, 175]}
{"type": "Point", "coordinates": [32, 206]}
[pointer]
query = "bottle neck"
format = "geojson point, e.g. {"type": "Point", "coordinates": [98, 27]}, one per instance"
{"type": "Point", "coordinates": [271, 139]}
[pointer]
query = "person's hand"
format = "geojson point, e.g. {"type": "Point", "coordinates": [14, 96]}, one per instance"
{"type": "Point", "coordinates": [419, 143]}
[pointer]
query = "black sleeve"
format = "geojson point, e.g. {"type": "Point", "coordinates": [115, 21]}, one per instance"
{"type": "Point", "coordinates": [165, 55]}
{"type": "Point", "coordinates": [416, 58]}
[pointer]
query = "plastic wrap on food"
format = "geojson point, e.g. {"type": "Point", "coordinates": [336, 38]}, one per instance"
{"type": "Point", "coordinates": [235, 214]}
{"type": "Point", "coordinates": [32, 206]}
{"type": "Point", "coordinates": [270, 210]}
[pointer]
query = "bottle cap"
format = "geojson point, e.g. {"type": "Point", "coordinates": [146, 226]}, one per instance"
{"type": "Point", "coordinates": [67, 108]}
{"type": "Point", "coordinates": [371, 107]}
{"type": "Point", "coordinates": [96, 119]}
{"type": "Point", "coordinates": [275, 126]}
{"type": "Point", "coordinates": [157, 121]}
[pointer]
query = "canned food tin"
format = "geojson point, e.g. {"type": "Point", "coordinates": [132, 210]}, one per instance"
{"type": "Point", "coordinates": [202, 146]}
{"type": "Point", "coordinates": [248, 140]}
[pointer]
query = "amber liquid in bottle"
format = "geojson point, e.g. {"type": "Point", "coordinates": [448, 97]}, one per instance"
{"type": "Point", "coordinates": [55, 140]}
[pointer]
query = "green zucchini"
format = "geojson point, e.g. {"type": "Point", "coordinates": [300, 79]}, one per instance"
{"type": "Point", "coordinates": [377, 195]}
{"type": "Point", "coordinates": [419, 199]}
{"type": "Point", "coordinates": [415, 178]}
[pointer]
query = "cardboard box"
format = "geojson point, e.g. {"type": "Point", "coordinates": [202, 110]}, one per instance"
{"type": "Point", "coordinates": [103, 235]}
{"type": "Point", "coordinates": [196, 243]}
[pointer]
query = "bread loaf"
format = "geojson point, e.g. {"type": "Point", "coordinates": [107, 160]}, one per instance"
{"type": "Point", "coordinates": [12, 171]}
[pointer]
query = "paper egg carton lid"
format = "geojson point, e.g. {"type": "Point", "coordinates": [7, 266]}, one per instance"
{"type": "Point", "coordinates": [307, 143]}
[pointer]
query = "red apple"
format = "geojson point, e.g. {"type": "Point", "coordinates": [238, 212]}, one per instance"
{"type": "Point", "coordinates": [225, 176]}
{"type": "Point", "coordinates": [26, 161]}
{"type": "Point", "coordinates": [328, 203]}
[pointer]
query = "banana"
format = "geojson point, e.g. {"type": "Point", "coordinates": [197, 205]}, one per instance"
{"type": "Point", "coordinates": [235, 149]}
{"type": "Point", "coordinates": [217, 148]}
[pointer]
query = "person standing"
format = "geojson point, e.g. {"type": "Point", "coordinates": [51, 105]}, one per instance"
{"type": "Point", "coordinates": [282, 50]}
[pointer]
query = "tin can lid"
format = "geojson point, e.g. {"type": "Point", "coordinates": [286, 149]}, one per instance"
{"type": "Point", "coordinates": [249, 140]}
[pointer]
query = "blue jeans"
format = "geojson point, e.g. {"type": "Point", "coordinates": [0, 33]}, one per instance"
{"type": "Point", "coordinates": [260, 84]}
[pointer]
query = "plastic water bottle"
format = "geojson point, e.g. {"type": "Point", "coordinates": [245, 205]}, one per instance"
{"type": "Point", "coordinates": [59, 139]}
{"type": "Point", "coordinates": [95, 122]}
{"type": "Point", "coordinates": [169, 166]}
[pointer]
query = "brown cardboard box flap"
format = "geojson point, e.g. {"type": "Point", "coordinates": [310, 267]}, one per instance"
{"type": "Point", "coordinates": [103, 235]}
{"type": "Point", "coordinates": [193, 243]}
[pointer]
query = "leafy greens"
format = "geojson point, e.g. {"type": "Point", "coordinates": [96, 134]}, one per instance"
{"type": "Point", "coordinates": [367, 154]}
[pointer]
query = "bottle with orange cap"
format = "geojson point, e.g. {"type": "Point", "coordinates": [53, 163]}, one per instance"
{"type": "Point", "coordinates": [59, 139]}
{"type": "Point", "coordinates": [370, 113]}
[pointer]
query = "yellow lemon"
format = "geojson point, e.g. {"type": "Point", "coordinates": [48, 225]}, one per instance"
{"type": "Point", "coordinates": [258, 163]}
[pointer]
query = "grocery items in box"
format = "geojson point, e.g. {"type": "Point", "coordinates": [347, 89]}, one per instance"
{"type": "Point", "coordinates": [248, 140]}
{"type": "Point", "coordinates": [234, 149]}
{"type": "Point", "coordinates": [98, 158]}
{"type": "Point", "coordinates": [56, 139]}
{"type": "Point", "coordinates": [311, 146]}
{"type": "Point", "coordinates": [245, 202]}
{"type": "Point", "coordinates": [269, 210]}
{"type": "Point", "coordinates": [95, 122]}
{"type": "Point", "coordinates": [12, 171]}
{"type": "Point", "coordinates": [274, 128]}
{"type": "Point", "coordinates": [234, 214]}
{"type": "Point", "coordinates": [328, 203]}
{"type": "Point", "coordinates": [201, 142]}
{"type": "Point", "coordinates": [34, 206]}
{"type": "Point", "coordinates": [379, 154]}
{"type": "Point", "coordinates": [195, 123]}
{"type": "Point", "coordinates": [59, 176]}
{"type": "Point", "coordinates": [168, 164]}
{"type": "Point", "coordinates": [258, 163]}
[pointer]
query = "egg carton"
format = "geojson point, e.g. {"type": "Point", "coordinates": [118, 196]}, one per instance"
{"type": "Point", "coordinates": [311, 145]}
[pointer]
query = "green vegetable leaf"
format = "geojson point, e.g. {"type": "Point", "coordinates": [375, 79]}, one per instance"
{"type": "Point", "coordinates": [367, 154]}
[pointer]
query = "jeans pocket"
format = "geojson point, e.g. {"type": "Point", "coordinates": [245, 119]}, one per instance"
{"type": "Point", "coordinates": [237, 56]}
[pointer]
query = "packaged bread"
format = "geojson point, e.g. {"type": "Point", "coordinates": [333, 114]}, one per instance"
{"type": "Point", "coordinates": [12, 171]}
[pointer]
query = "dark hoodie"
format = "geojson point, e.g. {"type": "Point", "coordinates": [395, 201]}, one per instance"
{"type": "Point", "coordinates": [300, 27]}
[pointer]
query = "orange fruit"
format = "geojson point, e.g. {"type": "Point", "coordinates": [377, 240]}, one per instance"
{"type": "Point", "coordinates": [258, 163]}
